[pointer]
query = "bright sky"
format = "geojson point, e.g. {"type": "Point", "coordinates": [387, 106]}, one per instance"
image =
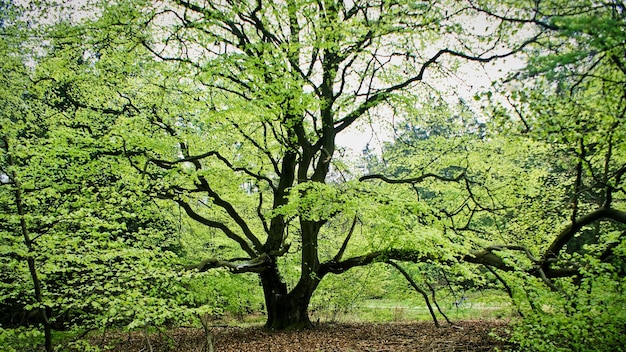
{"type": "Point", "coordinates": [472, 78]}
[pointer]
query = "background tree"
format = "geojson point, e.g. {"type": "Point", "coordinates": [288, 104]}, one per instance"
{"type": "Point", "coordinates": [561, 132]}
{"type": "Point", "coordinates": [82, 247]}
{"type": "Point", "coordinates": [14, 78]}
{"type": "Point", "coordinates": [573, 104]}
{"type": "Point", "coordinates": [580, 120]}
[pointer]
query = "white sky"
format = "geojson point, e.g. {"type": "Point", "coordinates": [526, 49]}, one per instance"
{"type": "Point", "coordinates": [472, 78]}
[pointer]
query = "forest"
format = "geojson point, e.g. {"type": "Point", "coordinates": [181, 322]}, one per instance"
{"type": "Point", "coordinates": [282, 165]}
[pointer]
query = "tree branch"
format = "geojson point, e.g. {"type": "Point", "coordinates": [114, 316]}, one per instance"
{"type": "Point", "coordinates": [570, 230]}
{"type": "Point", "coordinates": [412, 180]}
{"type": "Point", "coordinates": [254, 265]}
{"type": "Point", "coordinates": [416, 288]}
{"type": "Point", "coordinates": [344, 245]}
{"type": "Point", "coordinates": [217, 225]}
{"type": "Point", "coordinates": [380, 95]}
{"type": "Point", "coordinates": [166, 164]}
{"type": "Point", "coordinates": [334, 267]}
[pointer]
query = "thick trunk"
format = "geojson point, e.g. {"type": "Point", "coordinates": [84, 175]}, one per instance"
{"type": "Point", "coordinates": [285, 310]}
{"type": "Point", "coordinates": [288, 312]}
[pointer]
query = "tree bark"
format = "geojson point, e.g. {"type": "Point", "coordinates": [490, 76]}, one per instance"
{"type": "Point", "coordinates": [286, 310]}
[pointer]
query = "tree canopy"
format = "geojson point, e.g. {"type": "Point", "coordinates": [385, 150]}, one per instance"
{"type": "Point", "coordinates": [230, 111]}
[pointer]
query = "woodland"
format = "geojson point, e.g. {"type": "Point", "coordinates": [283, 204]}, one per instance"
{"type": "Point", "coordinates": [193, 164]}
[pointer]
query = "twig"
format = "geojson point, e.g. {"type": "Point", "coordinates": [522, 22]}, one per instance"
{"type": "Point", "coordinates": [147, 338]}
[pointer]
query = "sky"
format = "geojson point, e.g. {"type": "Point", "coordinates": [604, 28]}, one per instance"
{"type": "Point", "coordinates": [471, 79]}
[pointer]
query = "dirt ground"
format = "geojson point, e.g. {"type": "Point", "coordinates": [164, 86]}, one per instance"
{"type": "Point", "coordinates": [471, 335]}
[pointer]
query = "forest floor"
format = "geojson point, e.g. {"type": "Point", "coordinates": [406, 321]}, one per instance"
{"type": "Point", "coordinates": [467, 335]}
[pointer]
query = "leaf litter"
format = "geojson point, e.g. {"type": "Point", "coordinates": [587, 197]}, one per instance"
{"type": "Point", "coordinates": [468, 335]}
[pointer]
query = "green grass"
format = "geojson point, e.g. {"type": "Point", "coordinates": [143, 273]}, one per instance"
{"type": "Point", "coordinates": [480, 305]}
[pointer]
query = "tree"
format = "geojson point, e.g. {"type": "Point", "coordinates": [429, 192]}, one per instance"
{"type": "Point", "coordinates": [14, 78]}
{"type": "Point", "coordinates": [580, 119]}
{"type": "Point", "coordinates": [558, 243]}
{"type": "Point", "coordinates": [233, 110]}
{"type": "Point", "coordinates": [573, 103]}
{"type": "Point", "coordinates": [81, 247]}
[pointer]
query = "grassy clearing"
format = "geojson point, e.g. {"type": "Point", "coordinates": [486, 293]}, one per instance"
{"type": "Point", "coordinates": [478, 305]}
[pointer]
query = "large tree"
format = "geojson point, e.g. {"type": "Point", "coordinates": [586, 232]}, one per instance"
{"type": "Point", "coordinates": [232, 110]}
{"type": "Point", "coordinates": [236, 114]}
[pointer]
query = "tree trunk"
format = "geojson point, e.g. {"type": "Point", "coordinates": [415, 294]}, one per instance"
{"type": "Point", "coordinates": [30, 259]}
{"type": "Point", "coordinates": [286, 310]}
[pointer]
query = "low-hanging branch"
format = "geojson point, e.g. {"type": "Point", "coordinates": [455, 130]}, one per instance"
{"type": "Point", "coordinates": [416, 288]}
{"type": "Point", "coordinates": [488, 256]}
{"type": "Point", "coordinates": [254, 265]}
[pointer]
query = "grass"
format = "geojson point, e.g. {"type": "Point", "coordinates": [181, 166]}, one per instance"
{"type": "Point", "coordinates": [480, 305]}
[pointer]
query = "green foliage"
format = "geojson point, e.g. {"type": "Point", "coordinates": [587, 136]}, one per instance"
{"type": "Point", "coordinates": [572, 102]}
{"type": "Point", "coordinates": [20, 339]}
{"type": "Point", "coordinates": [230, 111]}
{"type": "Point", "coordinates": [592, 319]}
{"type": "Point", "coordinates": [80, 241]}
{"type": "Point", "coordinates": [235, 297]}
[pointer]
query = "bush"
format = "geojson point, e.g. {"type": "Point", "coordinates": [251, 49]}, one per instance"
{"type": "Point", "coordinates": [589, 317]}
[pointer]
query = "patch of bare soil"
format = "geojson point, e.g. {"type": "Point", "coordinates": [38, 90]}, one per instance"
{"type": "Point", "coordinates": [471, 335]}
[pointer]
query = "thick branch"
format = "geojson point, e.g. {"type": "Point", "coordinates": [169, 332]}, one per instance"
{"type": "Point", "coordinates": [412, 180]}
{"type": "Point", "coordinates": [254, 265]}
{"type": "Point", "coordinates": [406, 255]}
{"type": "Point", "coordinates": [488, 258]}
{"type": "Point", "coordinates": [335, 267]}
{"type": "Point", "coordinates": [238, 265]}
{"type": "Point", "coordinates": [541, 267]}
{"type": "Point", "coordinates": [485, 257]}
{"type": "Point", "coordinates": [202, 184]}
{"type": "Point", "coordinates": [569, 231]}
